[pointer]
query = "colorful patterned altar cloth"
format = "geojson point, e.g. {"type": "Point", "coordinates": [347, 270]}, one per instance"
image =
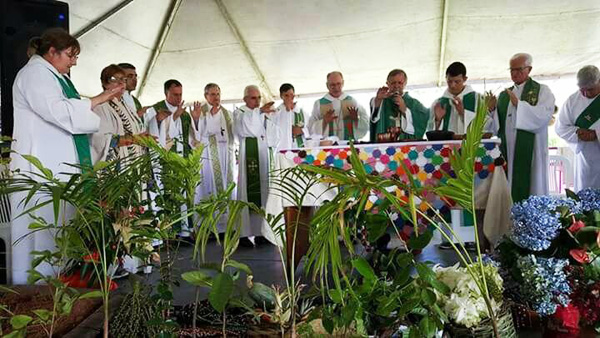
{"type": "Point", "coordinates": [426, 161]}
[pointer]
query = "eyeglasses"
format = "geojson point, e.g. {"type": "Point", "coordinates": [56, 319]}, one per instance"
{"type": "Point", "coordinates": [254, 97]}
{"type": "Point", "coordinates": [113, 79]}
{"type": "Point", "coordinates": [520, 69]}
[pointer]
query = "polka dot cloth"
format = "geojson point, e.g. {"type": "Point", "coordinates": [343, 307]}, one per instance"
{"type": "Point", "coordinates": [429, 163]}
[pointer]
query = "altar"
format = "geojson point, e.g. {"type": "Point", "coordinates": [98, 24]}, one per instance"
{"type": "Point", "coordinates": [426, 161]}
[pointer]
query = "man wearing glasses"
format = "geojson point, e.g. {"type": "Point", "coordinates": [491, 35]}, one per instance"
{"type": "Point", "coordinates": [579, 125]}
{"type": "Point", "coordinates": [258, 136]}
{"type": "Point", "coordinates": [523, 112]}
{"type": "Point", "coordinates": [337, 113]}
{"type": "Point", "coordinates": [130, 86]}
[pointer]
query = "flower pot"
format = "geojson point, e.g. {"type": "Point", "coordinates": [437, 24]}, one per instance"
{"type": "Point", "coordinates": [506, 328]}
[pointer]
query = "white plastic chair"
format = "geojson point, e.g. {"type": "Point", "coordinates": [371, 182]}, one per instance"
{"type": "Point", "coordinates": [560, 174]}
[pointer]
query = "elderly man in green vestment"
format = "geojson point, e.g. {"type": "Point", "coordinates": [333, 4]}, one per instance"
{"type": "Point", "coordinates": [522, 114]}
{"type": "Point", "coordinates": [393, 107]}
{"type": "Point", "coordinates": [337, 113]}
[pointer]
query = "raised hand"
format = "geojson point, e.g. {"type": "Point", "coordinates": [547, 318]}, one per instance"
{"type": "Point", "coordinates": [162, 114]}
{"type": "Point", "coordinates": [180, 110]}
{"type": "Point", "coordinates": [399, 101]}
{"type": "Point", "coordinates": [458, 104]}
{"type": "Point", "coordinates": [513, 97]}
{"type": "Point", "coordinates": [329, 116]}
{"type": "Point", "coordinates": [353, 113]}
{"type": "Point", "coordinates": [382, 93]}
{"type": "Point", "coordinates": [196, 111]}
{"type": "Point", "coordinates": [439, 112]}
{"type": "Point", "coordinates": [491, 100]}
{"type": "Point", "coordinates": [268, 108]}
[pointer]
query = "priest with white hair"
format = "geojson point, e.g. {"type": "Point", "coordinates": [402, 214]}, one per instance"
{"type": "Point", "coordinates": [337, 113]}
{"type": "Point", "coordinates": [522, 113]}
{"type": "Point", "coordinates": [259, 137]}
{"type": "Point", "coordinates": [579, 124]}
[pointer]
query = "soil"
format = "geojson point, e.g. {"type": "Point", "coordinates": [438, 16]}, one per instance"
{"type": "Point", "coordinates": [31, 298]}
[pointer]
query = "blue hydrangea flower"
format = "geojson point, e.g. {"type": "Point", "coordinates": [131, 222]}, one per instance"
{"type": "Point", "coordinates": [536, 222]}
{"type": "Point", "coordinates": [545, 284]}
{"type": "Point", "coordinates": [589, 199]}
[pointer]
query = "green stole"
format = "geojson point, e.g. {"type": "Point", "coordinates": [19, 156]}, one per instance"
{"type": "Point", "coordinates": [524, 144]}
{"type": "Point", "coordinates": [349, 125]}
{"type": "Point", "coordinates": [389, 110]}
{"type": "Point", "coordinates": [468, 103]}
{"type": "Point", "coordinates": [186, 121]}
{"type": "Point", "coordinates": [82, 142]}
{"type": "Point", "coordinates": [589, 115]}
{"type": "Point", "coordinates": [252, 164]}
{"type": "Point", "coordinates": [137, 103]}
{"type": "Point", "coordinates": [214, 150]}
{"type": "Point", "coordinates": [299, 121]}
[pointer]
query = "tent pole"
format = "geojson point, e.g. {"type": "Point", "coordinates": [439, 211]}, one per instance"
{"type": "Point", "coordinates": [443, 38]}
{"type": "Point", "coordinates": [238, 35]}
{"type": "Point", "coordinates": [101, 19]}
{"type": "Point", "coordinates": [164, 33]}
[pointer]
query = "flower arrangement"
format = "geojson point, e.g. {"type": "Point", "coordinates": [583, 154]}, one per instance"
{"type": "Point", "coordinates": [464, 305]}
{"type": "Point", "coordinates": [545, 283]}
{"type": "Point", "coordinates": [542, 260]}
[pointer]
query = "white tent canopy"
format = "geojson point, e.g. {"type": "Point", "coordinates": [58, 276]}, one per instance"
{"type": "Point", "coordinates": [266, 42]}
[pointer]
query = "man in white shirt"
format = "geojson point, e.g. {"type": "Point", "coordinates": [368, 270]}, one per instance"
{"type": "Point", "coordinates": [291, 120]}
{"type": "Point", "coordinates": [259, 137]}
{"type": "Point", "coordinates": [522, 114]}
{"type": "Point", "coordinates": [579, 124]}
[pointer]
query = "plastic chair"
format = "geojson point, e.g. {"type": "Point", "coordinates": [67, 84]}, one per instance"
{"type": "Point", "coordinates": [560, 174]}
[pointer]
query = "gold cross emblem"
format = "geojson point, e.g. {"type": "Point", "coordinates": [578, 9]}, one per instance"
{"type": "Point", "coordinates": [253, 166]}
{"type": "Point", "coordinates": [588, 117]}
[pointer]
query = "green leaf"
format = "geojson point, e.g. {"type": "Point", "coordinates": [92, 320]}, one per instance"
{"type": "Point", "coordinates": [404, 259]}
{"type": "Point", "coordinates": [91, 294]}
{"type": "Point", "coordinates": [363, 267]}
{"type": "Point", "coordinates": [43, 314]}
{"type": "Point", "coordinates": [420, 242]}
{"type": "Point", "coordinates": [425, 272]}
{"type": "Point", "coordinates": [376, 225]}
{"type": "Point", "coordinates": [239, 266]}
{"type": "Point", "coordinates": [16, 334]}
{"type": "Point", "coordinates": [221, 291]}
{"type": "Point", "coordinates": [335, 295]}
{"type": "Point", "coordinates": [402, 278]}
{"type": "Point", "coordinates": [38, 164]}
{"type": "Point", "coordinates": [428, 297]}
{"type": "Point", "coordinates": [439, 286]}
{"type": "Point", "coordinates": [197, 278]}
{"type": "Point", "coordinates": [427, 327]}
{"type": "Point", "coordinates": [572, 195]}
{"type": "Point", "coordinates": [20, 321]}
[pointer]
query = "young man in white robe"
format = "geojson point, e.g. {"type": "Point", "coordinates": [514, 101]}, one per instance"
{"type": "Point", "coordinates": [130, 85]}
{"type": "Point", "coordinates": [579, 124]}
{"type": "Point", "coordinates": [337, 113]}
{"type": "Point", "coordinates": [214, 130]}
{"type": "Point", "coordinates": [291, 120]}
{"type": "Point", "coordinates": [457, 107]}
{"type": "Point", "coordinates": [522, 113]}
{"type": "Point", "coordinates": [393, 107]}
{"type": "Point", "coordinates": [51, 122]}
{"type": "Point", "coordinates": [258, 136]}
{"type": "Point", "coordinates": [168, 121]}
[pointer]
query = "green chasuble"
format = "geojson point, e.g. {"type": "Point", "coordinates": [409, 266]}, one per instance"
{"type": "Point", "coordinates": [388, 114]}
{"type": "Point", "coordinates": [589, 115]}
{"type": "Point", "coordinates": [186, 121]}
{"type": "Point", "coordinates": [137, 103]}
{"type": "Point", "coordinates": [468, 100]}
{"type": "Point", "coordinates": [299, 122]}
{"type": "Point", "coordinates": [348, 125]}
{"type": "Point", "coordinates": [524, 144]}
{"type": "Point", "coordinates": [82, 141]}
